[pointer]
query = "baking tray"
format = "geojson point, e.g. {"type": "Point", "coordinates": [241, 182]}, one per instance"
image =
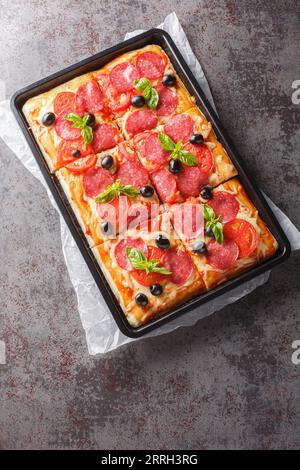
{"type": "Point", "coordinates": [163, 39]}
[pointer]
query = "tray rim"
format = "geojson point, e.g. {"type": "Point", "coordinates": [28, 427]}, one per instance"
{"type": "Point", "coordinates": [16, 103]}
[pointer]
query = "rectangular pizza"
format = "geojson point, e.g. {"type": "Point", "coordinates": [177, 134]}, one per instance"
{"type": "Point", "coordinates": [131, 150]}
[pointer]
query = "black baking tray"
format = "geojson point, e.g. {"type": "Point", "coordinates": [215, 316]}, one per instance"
{"type": "Point", "coordinates": [163, 39]}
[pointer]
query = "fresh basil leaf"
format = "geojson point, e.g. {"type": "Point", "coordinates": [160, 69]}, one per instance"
{"type": "Point", "coordinates": [217, 230]}
{"type": "Point", "coordinates": [129, 190]}
{"type": "Point", "coordinates": [87, 134]}
{"type": "Point", "coordinates": [161, 270]}
{"type": "Point", "coordinates": [75, 119]}
{"type": "Point", "coordinates": [152, 101]}
{"type": "Point", "coordinates": [187, 158]}
{"type": "Point", "coordinates": [140, 262]}
{"type": "Point", "coordinates": [107, 196]}
{"type": "Point", "coordinates": [208, 212]}
{"type": "Point", "coordinates": [166, 142]}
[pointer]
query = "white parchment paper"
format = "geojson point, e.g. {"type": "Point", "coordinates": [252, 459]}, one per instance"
{"type": "Point", "coordinates": [102, 333]}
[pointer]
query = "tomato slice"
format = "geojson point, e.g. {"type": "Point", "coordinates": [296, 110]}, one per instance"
{"type": "Point", "coordinates": [64, 102]}
{"type": "Point", "coordinates": [244, 234]}
{"type": "Point", "coordinates": [204, 156]}
{"type": "Point", "coordinates": [65, 149]}
{"type": "Point", "coordinates": [152, 278]}
{"type": "Point", "coordinates": [82, 164]}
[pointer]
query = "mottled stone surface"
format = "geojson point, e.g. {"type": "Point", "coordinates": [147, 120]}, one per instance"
{"type": "Point", "coordinates": [226, 383]}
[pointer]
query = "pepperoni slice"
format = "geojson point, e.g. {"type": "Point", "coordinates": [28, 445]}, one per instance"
{"type": "Point", "coordinates": [180, 264]}
{"type": "Point", "coordinates": [82, 164]}
{"type": "Point", "coordinates": [190, 180]}
{"type": "Point", "coordinates": [132, 172]}
{"type": "Point", "coordinates": [165, 184]}
{"type": "Point", "coordinates": [120, 251]}
{"type": "Point", "coordinates": [222, 256]}
{"type": "Point", "coordinates": [154, 152]}
{"type": "Point", "coordinates": [225, 205]}
{"type": "Point", "coordinates": [152, 278]}
{"type": "Point", "coordinates": [204, 156]}
{"type": "Point", "coordinates": [89, 98]}
{"type": "Point", "coordinates": [244, 234]}
{"type": "Point", "coordinates": [65, 130]}
{"type": "Point", "coordinates": [179, 127]}
{"type": "Point", "coordinates": [168, 101]}
{"type": "Point", "coordinates": [64, 102]}
{"type": "Point", "coordinates": [151, 65]}
{"type": "Point", "coordinates": [95, 180]}
{"type": "Point", "coordinates": [105, 136]}
{"type": "Point", "coordinates": [123, 75]}
{"type": "Point", "coordinates": [140, 121]}
{"type": "Point", "coordinates": [65, 149]}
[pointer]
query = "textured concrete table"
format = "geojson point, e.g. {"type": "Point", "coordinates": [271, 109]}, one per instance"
{"type": "Point", "coordinates": [228, 382]}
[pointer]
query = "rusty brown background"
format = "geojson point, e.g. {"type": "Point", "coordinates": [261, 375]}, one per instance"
{"type": "Point", "coordinates": [229, 381]}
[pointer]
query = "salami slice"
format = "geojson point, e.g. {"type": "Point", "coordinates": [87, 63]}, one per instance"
{"type": "Point", "coordinates": [65, 149]}
{"type": "Point", "coordinates": [244, 234]}
{"type": "Point", "coordinates": [89, 98]}
{"type": "Point", "coordinates": [204, 156]}
{"type": "Point", "coordinates": [151, 278]}
{"type": "Point", "coordinates": [154, 152]}
{"type": "Point", "coordinates": [123, 75]}
{"type": "Point", "coordinates": [151, 65]}
{"type": "Point", "coordinates": [225, 205]}
{"type": "Point", "coordinates": [168, 101]}
{"type": "Point", "coordinates": [120, 251]}
{"type": "Point", "coordinates": [65, 130]}
{"type": "Point", "coordinates": [179, 127]}
{"type": "Point", "coordinates": [190, 180]}
{"type": "Point", "coordinates": [180, 264]}
{"type": "Point", "coordinates": [96, 180]}
{"type": "Point", "coordinates": [140, 121]}
{"type": "Point", "coordinates": [105, 136]}
{"type": "Point", "coordinates": [222, 256]}
{"type": "Point", "coordinates": [64, 102]}
{"type": "Point", "coordinates": [165, 184]}
{"type": "Point", "coordinates": [132, 172]}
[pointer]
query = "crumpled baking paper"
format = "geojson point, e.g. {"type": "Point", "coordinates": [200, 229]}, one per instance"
{"type": "Point", "coordinates": [102, 333]}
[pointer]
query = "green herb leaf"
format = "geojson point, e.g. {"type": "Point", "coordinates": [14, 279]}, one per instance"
{"type": "Point", "coordinates": [87, 134]}
{"type": "Point", "coordinates": [187, 158]}
{"type": "Point", "coordinates": [81, 123]}
{"type": "Point", "coordinates": [109, 194]}
{"type": "Point", "coordinates": [166, 142]}
{"type": "Point", "coordinates": [217, 230]}
{"type": "Point", "coordinates": [152, 101]}
{"type": "Point", "coordinates": [148, 92]}
{"type": "Point", "coordinates": [140, 262]}
{"type": "Point", "coordinates": [213, 222]}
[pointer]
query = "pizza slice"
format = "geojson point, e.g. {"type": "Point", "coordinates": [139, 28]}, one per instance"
{"type": "Point", "coordinates": [70, 121]}
{"type": "Point", "coordinates": [223, 233]}
{"type": "Point", "coordinates": [149, 271]}
{"type": "Point", "coordinates": [108, 192]}
{"type": "Point", "coordinates": [143, 78]}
